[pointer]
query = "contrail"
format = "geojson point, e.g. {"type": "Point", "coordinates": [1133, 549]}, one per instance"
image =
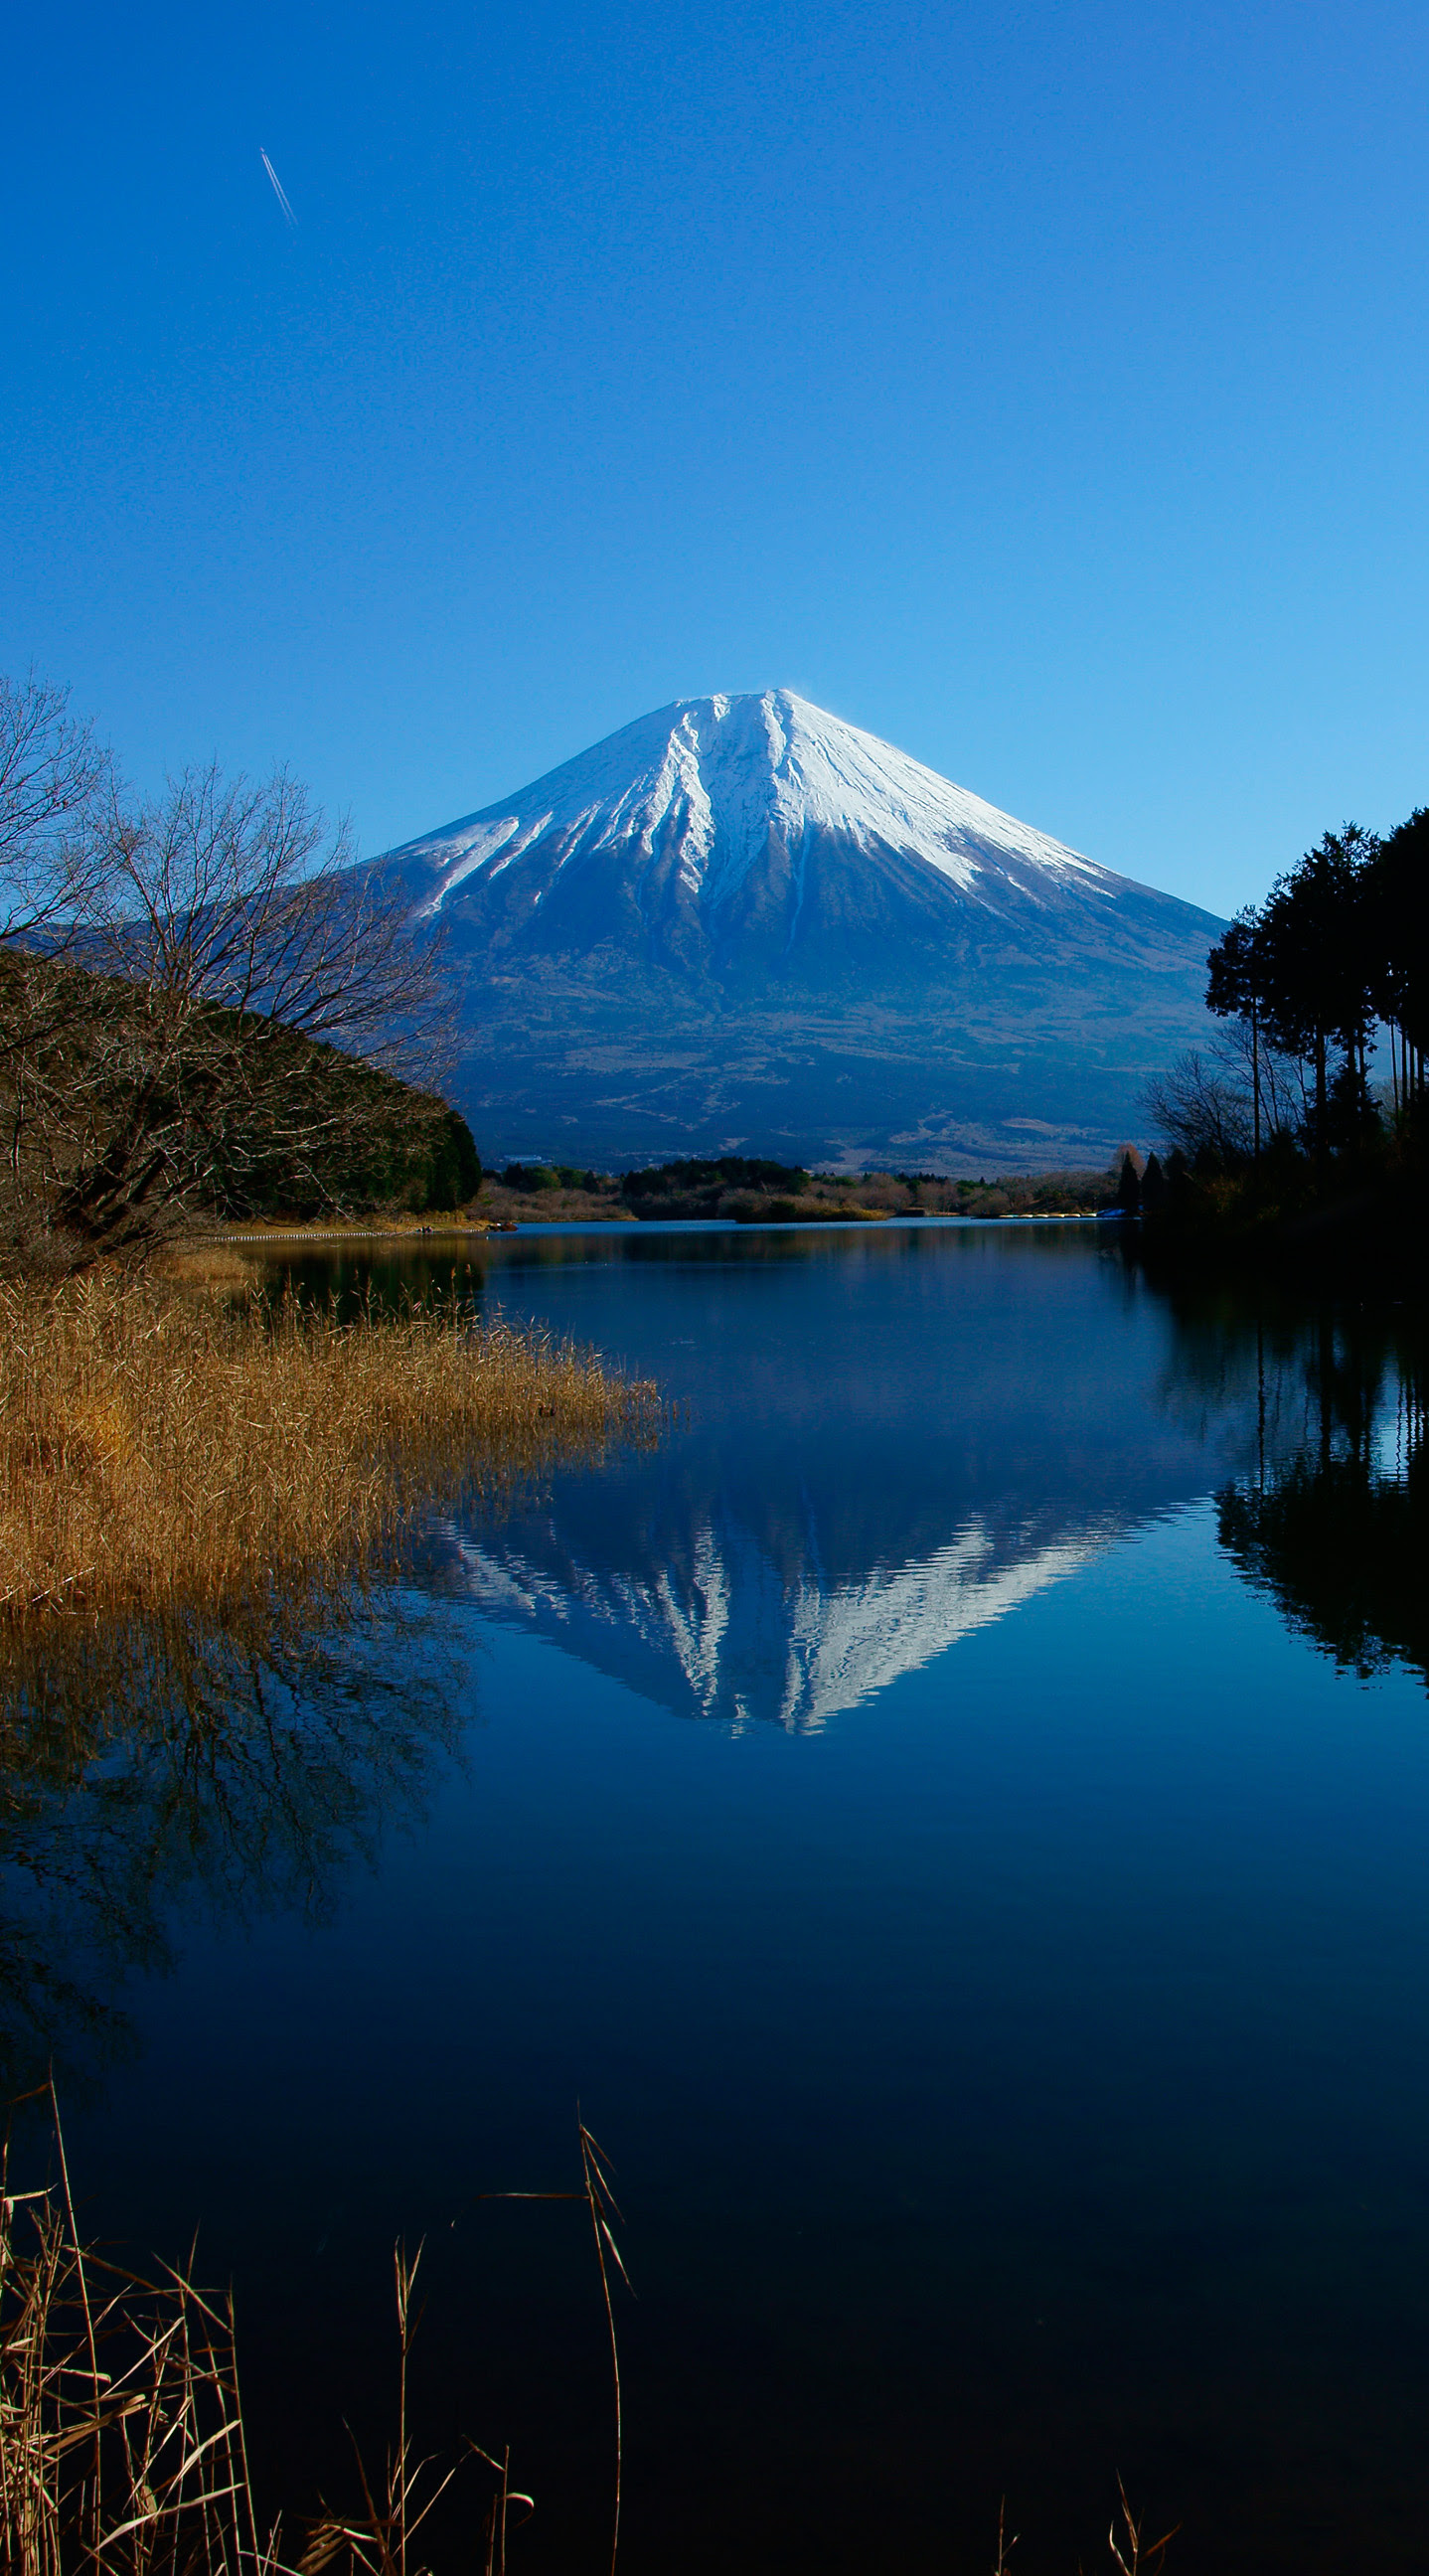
{"type": "Point", "coordinates": [279, 191]}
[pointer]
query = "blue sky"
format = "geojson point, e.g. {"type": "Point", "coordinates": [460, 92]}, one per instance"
{"type": "Point", "coordinates": [1041, 386]}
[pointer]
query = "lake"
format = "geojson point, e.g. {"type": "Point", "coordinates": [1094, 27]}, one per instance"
{"type": "Point", "coordinates": [954, 1815]}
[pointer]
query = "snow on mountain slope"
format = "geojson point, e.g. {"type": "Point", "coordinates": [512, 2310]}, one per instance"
{"type": "Point", "coordinates": [715, 777]}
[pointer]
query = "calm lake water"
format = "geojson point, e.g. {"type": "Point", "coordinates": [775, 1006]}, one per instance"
{"type": "Point", "coordinates": [955, 1816]}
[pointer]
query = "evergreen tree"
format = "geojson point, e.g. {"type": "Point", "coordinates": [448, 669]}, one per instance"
{"type": "Point", "coordinates": [1318, 967]}
{"type": "Point", "coordinates": [1303, 972]}
{"type": "Point", "coordinates": [1237, 990]}
{"type": "Point", "coordinates": [1397, 928]}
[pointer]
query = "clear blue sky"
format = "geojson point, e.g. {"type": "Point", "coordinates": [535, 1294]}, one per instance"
{"type": "Point", "coordinates": [1041, 386]}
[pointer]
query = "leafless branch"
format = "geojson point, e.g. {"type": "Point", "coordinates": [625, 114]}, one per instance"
{"type": "Point", "coordinates": [54, 782]}
{"type": "Point", "coordinates": [209, 1004]}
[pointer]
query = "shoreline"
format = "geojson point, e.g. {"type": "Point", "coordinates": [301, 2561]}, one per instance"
{"type": "Point", "coordinates": [502, 1229]}
{"type": "Point", "coordinates": [351, 1233]}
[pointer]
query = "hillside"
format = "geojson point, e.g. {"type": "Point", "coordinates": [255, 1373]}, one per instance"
{"type": "Point", "coordinates": [123, 1125]}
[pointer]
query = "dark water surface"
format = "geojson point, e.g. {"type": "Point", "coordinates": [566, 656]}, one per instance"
{"type": "Point", "coordinates": [956, 1817]}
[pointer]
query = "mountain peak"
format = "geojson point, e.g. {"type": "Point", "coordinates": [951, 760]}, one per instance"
{"type": "Point", "coordinates": [718, 775]}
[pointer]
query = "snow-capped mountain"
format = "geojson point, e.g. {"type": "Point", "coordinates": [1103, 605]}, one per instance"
{"type": "Point", "coordinates": [742, 923]}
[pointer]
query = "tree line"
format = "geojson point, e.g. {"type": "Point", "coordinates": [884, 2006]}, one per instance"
{"type": "Point", "coordinates": [204, 1003]}
{"type": "Point", "coordinates": [1339, 947]}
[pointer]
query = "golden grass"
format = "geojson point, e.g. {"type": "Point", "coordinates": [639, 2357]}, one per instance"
{"type": "Point", "coordinates": [160, 1452]}
{"type": "Point", "coordinates": [205, 1265]}
{"type": "Point", "coordinates": [380, 1228]}
{"type": "Point", "coordinates": [121, 2429]}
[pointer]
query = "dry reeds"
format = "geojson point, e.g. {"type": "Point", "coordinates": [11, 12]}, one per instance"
{"type": "Point", "coordinates": [121, 2428]}
{"type": "Point", "coordinates": [377, 2539]}
{"type": "Point", "coordinates": [1133, 2553]}
{"type": "Point", "coordinates": [122, 2447]}
{"type": "Point", "coordinates": [160, 1452]}
{"type": "Point", "coordinates": [601, 2202]}
{"type": "Point", "coordinates": [205, 1266]}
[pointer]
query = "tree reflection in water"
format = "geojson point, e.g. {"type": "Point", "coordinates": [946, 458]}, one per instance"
{"type": "Point", "coordinates": [243, 1766]}
{"type": "Point", "coordinates": [1330, 1514]}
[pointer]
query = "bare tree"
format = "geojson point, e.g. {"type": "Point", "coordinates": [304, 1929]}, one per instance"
{"type": "Point", "coordinates": [244, 963]}
{"type": "Point", "coordinates": [194, 989]}
{"type": "Point", "coordinates": [55, 789]}
{"type": "Point", "coordinates": [53, 783]}
{"type": "Point", "coordinates": [1207, 1104]}
{"type": "Point", "coordinates": [1199, 1110]}
{"type": "Point", "coordinates": [1280, 1081]}
{"type": "Point", "coordinates": [231, 894]}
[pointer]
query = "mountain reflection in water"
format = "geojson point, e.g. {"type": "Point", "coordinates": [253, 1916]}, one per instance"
{"type": "Point", "coordinates": [716, 1624]}
{"type": "Point", "coordinates": [875, 1482]}
{"type": "Point", "coordinates": [845, 1514]}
